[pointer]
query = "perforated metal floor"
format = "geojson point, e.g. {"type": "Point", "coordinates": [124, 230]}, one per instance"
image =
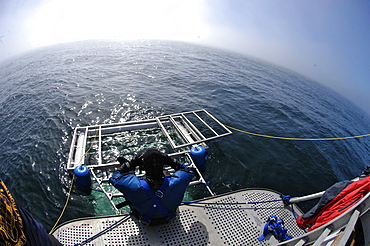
{"type": "Point", "coordinates": [197, 224]}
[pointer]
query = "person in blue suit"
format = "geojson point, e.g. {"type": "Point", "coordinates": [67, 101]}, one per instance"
{"type": "Point", "coordinates": [153, 198]}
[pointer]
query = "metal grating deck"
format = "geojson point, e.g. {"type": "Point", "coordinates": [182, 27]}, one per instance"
{"type": "Point", "coordinates": [197, 224]}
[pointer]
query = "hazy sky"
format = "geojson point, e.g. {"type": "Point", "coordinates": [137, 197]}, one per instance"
{"type": "Point", "coordinates": [326, 40]}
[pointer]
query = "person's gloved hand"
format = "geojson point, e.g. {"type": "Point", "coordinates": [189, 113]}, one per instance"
{"type": "Point", "coordinates": [181, 166]}
{"type": "Point", "coordinates": [175, 165]}
{"type": "Point", "coordinates": [137, 161]}
{"type": "Point", "coordinates": [126, 166]}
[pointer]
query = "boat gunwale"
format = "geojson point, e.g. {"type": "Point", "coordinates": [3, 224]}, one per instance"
{"type": "Point", "coordinates": [363, 205]}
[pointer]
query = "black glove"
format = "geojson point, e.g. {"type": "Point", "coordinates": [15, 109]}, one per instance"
{"type": "Point", "coordinates": [137, 161]}
{"type": "Point", "coordinates": [174, 164]}
{"type": "Point", "coordinates": [125, 165]}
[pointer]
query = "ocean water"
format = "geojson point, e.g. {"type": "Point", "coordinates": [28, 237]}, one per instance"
{"type": "Point", "coordinates": [45, 93]}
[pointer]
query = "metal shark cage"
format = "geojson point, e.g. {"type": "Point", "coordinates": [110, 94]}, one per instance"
{"type": "Point", "coordinates": [97, 147]}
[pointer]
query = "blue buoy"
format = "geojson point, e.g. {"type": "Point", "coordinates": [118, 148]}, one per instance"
{"type": "Point", "coordinates": [83, 179]}
{"type": "Point", "coordinates": [199, 156]}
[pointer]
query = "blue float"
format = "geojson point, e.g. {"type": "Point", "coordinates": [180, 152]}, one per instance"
{"type": "Point", "coordinates": [83, 179]}
{"type": "Point", "coordinates": [199, 156]}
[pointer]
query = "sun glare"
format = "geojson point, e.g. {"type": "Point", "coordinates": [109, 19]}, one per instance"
{"type": "Point", "coordinates": [63, 21]}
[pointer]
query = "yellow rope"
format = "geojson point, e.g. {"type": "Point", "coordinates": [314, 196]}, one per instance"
{"type": "Point", "coordinates": [65, 205]}
{"type": "Point", "coordinates": [70, 189]}
{"type": "Point", "coordinates": [300, 139]}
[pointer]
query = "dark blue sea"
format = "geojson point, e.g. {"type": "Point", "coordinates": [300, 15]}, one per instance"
{"type": "Point", "coordinates": [45, 93]}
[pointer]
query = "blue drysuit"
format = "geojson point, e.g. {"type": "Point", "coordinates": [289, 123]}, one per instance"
{"type": "Point", "coordinates": [129, 185]}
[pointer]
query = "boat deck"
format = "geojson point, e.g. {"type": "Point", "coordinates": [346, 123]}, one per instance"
{"type": "Point", "coordinates": [230, 219]}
